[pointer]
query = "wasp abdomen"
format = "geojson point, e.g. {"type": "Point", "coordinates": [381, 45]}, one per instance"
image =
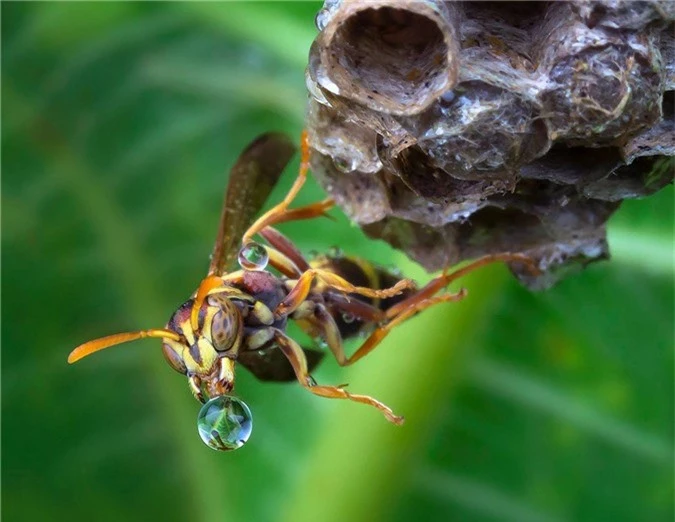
{"type": "Point", "coordinates": [360, 272]}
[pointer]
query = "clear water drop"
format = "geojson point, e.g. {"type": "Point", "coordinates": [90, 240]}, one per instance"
{"type": "Point", "coordinates": [345, 165]}
{"type": "Point", "coordinates": [321, 19]}
{"type": "Point", "coordinates": [348, 318]}
{"type": "Point", "coordinates": [225, 423]}
{"type": "Point", "coordinates": [253, 256]}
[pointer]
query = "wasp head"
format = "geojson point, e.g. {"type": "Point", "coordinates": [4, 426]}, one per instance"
{"type": "Point", "coordinates": [207, 347]}
{"type": "Point", "coordinates": [201, 341]}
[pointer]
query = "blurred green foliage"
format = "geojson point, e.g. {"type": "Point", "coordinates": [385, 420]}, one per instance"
{"type": "Point", "coordinates": [119, 121]}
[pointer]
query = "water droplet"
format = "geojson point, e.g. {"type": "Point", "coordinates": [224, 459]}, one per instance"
{"type": "Point", "coordinates": [225, 423]}
{"type": "Point", "coordinates": [335, 251]}
{"type": "Point", "coordinates": [325, 14]}
{"type": "Point", "coordinates": [315, 90]}
{"type": "Point", "coordinates": [345, 165]}
{"type": "Point", "coordinates": [321, 19]}
{"type": "Point", "coordinates": [321, 343]}
{"type": "Point", "coordinates": [310, 381]}
{"type": "Point", "coordinates": [348, 318]}
{"type": "Point", "coordinates": [253, 256]}
{"type": "Point", "coordinates": [447, 97]}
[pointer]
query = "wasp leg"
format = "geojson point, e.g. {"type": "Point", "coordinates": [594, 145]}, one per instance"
{"type": "Point", "coordinates": [296, 357]}
{"type": "Point", "coordinates": [280, 212]}
{"type": "Point", "coordinates": [323, 323]}
{"type": "Point", "coordinates": [303, 286]}
{"type": "Point", "coordinates": [360, 310]}
{"type": "Point", "coordinates": [443, 280]}
{"type": "Point", "coordinates": [285, 246]}
{"type": "Point", "coordinates": [420, 300]}
{"type": "Point", "coordinates": [195, 384]}
{"type": "Point", "coordinates": [283, 263]}
{"type": "Point", "coordinates": [282, 215]}
{"type": "Point", "coordinates": [381, 332]}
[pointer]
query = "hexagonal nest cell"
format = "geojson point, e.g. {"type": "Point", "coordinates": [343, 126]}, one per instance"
{"type": "Point", "coordinates": [457, 129]}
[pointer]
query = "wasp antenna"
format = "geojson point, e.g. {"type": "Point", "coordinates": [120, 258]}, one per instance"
{"type": "Point", "coordinates": [111, 340]}
{"type": "Point", "coordinates": [208, 284]}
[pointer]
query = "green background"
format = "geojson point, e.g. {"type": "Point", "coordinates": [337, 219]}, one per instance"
{"type": "Point", "coordinates": [119, 123]}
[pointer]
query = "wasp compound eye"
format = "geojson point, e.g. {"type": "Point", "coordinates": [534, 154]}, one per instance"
{"type": "Point", "coordinates": [225, 423]}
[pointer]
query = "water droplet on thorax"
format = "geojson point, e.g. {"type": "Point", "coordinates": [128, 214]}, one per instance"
{"type": "Point", "coordinates": [253, 256]}
{"type": "Point", "coordinates": [225, 423]}
{"type": "Point", "coordinates": [348, 318]}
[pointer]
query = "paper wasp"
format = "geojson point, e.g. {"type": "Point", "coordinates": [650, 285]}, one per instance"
{"type": "Point", "coordinates": [240, 315]}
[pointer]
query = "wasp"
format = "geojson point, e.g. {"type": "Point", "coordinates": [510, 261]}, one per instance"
{"type": "Point", "coordinates": [240, 310]}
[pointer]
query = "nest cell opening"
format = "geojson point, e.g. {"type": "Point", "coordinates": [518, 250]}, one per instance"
{"type": "Point", "coordinates": [393, 53]}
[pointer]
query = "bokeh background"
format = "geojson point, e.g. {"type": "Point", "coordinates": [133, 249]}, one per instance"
{"type": "Point", "coordinates": [119, 122]}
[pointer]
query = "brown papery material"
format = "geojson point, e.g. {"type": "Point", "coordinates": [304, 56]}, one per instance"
{"type": "Point", "coordinates": [458, 129]}
{"type": "Point", "coordinates": [394, 57]}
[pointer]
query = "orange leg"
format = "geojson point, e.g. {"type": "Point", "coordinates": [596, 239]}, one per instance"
{"type": "Point", "coordinates": [381, 332]}
{"type": "Point", "coordinates": [280, 213]}
{"type": "Point", "coordinates": [283, 263]}
{"type": "Point", "coordinates": [285, 246]}
{"type": "Point", "coordinates": [296, 357]}
{"type": "Point", "coordinates": [302, 288]}
{"type": "Point", "coordinates": [446, 278]}
{"type": "Point", "coordinates": [420, 300]}
{"type": "Point", "coordinates": [313, 210]}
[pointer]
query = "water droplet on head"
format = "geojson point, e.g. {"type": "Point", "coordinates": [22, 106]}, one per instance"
{"type": "Point", "coordinates": [225, 423]}
{"type": "Point", "coordinates": [253, 256]}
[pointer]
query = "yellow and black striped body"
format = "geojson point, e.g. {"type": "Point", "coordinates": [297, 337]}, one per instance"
{"type": "Point", "coordinates": [359, 272]}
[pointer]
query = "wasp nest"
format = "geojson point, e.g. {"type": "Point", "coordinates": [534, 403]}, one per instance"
{"type": "Point", "coordinates": [457, 129]}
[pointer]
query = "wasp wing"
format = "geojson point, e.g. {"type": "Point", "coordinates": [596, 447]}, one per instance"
{"type": "Point", "coordinates": [271, 364]}
{"type": "Point", "coordinates": [252, 178]}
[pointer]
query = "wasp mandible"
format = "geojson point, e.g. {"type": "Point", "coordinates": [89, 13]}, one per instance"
{"type": "Point", "coordinates": [240, 315]}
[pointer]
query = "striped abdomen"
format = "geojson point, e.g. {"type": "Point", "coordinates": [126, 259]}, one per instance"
{"type": "Point", "coordinates": [359, 272]}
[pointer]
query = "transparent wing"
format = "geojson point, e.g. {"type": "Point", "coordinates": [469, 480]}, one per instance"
{"type": "Point", "coordinates": [252, 178]}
